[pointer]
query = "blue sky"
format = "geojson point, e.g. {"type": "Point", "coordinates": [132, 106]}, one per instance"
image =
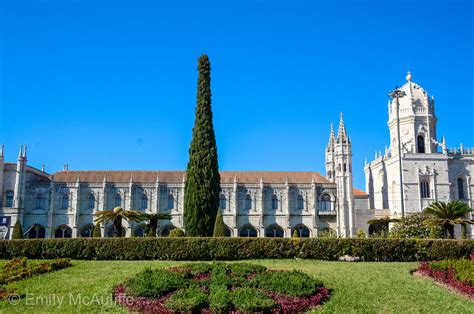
{"type": "Point", "coordinates": [112, 84]}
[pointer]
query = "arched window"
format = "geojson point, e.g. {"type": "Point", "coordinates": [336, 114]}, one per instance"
{"type": "Point", "coordinates": [461, 188]}
{"type": "Point", "coordinates": [227, 232]}
{"type": "Point", "coordinates": [165, 230]}
{"type": "Point", "coordinates": [247, 231]}
{"type": "Point", "coordinates": [248, 202]}
{"type": "Point", "coordinates": [118, 200]}
{"type": "Point", "coordinates": [223, 201]}
{"type": "Point", "coordinates": [91, 201]}
{"type": "Point", "coordinates": [40, 201]}
{"type": "Point", "coordinates": [274, 231]}
{"type": "Point", "coordinates": [9, 201]}
{"type": "Point", "coordinates": [144, 202]}
{"type": "Point", "coordinates": [65, 201]}
{"type": "Point", "coordinates": [63, 231]}
{"type": "Point", "coordinates": [424, 189]}
{"type": "Point", "coordinates": [86, 231]}
{"type": "Point", "coordinates": [274, 202]}
{"type": "Point", "coordinates": [303, 231]}
{"type": "Point", "coordinates": [421, 144]}
{"type": "Point", "coordinates": [140, 231]}
{"type": "Point", "coordinates": [37, 232]}
{"type": "Point", "coordinates": [170, 201]}
{"type": "Point", "coordinates": [300, 202]}
{"type": "Point", "coordinates": [326, 204]}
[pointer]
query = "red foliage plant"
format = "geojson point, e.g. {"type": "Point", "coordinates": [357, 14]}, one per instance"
{"type": "Point", "coordinates": [447, 277]}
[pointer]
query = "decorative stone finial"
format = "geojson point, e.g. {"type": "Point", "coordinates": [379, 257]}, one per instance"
{"type": "Point", "coordinates": [408, 77]}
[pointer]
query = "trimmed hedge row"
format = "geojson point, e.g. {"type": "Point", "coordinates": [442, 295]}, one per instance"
{"type": "Point", "coordinates": [207, 249]}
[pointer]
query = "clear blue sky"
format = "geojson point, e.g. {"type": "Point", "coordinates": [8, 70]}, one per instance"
{"type": "Point", "coordinates": [112, 84]}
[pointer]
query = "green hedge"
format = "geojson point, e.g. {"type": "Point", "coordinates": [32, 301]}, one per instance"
{"type": "Point", "coordinates": [207, 249]}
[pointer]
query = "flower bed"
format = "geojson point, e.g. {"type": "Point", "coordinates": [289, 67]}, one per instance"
{"type": "Point", "coordinates": [18, 269]}
{"type": "Point", "coordinates": [220, 287]}
{"type": "Point", "coordinates": [457, 274]}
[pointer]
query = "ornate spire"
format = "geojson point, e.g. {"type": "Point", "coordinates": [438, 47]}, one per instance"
{"type": "Point", "coordinates": [341, 132]}
{"type": "Point", "coordinates": [20, 154]}
{"type": "Point", "coordinates": [2, 152]}
{"type": "Point", "coordinates": [332, 138]}
{"type": "Point", "coordinates": [24, 153]}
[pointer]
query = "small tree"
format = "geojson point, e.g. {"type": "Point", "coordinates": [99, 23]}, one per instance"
{"type": "Point", "coordinates": [360, 234]}
{"type": "Point", "coordinates": [447, 214]}
{"type": "Point", "coordinates": [117, 215]}
{"type": "Point", "coordinates": [152, 224]}
{"type": "Point", "coordinates": [219, 226]}
{"type": "Point", "coordinates": [96, 233]}
{"type": "Point", "coordinates": [17, 231]}
{"type": "Point", "coordinates": [176, 233]}
{"type": "Point", "coordinates": [412, 226]}
{"type": "Point", "coordinates": [295, 234]}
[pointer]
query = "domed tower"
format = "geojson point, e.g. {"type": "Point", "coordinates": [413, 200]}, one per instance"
{"type": "Point", "coordinates": [417, 120]}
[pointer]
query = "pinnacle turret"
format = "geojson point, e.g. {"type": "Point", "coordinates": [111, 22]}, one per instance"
{"type": "Point", "coordinates": [341, 132]}
{"type": "Point", "coordinates": [332, 138]}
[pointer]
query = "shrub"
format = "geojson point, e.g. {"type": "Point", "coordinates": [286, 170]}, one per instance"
{"type": "Point", "coordinates": [463, 268]}
{"type": "Point", "coordinates": [96, 232]}
{"type": "Point", "coordinates": [192, 249]}
{"type": "Point", "coordinates": [244, 269]}
{"type": "Point", "coordinates": [219, 299]}
{"type": "Point", "coordinates": [411, 226]}
{"type": "Point", "coordinates": [219, 226]}
{"type": "Point", "coordinates": [295, 234]}
{"type": "Point", "coordinates": [251, 300]}
{"type": "Point", "coordinates": [294, 283]}
{"type": "Point", "coordinates": [361, 234]}
{"type": "Point", "coordinates": [187, 300]}
{"type": "Point", "coordinates": [155, 283]}
{"type": "Point", "coordinates": [176, 233]}
{"type": "Point", "coordinates": [18, 269]}
{"type": "Point", "coordinates": [17, 231]}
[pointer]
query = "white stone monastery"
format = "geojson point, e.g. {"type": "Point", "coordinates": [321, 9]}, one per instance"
{"type": "Point", "coordinates": [256, 203]}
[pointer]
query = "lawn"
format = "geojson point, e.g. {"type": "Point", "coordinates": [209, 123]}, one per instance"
{"type": "Point", "coordinates": [357, 287]}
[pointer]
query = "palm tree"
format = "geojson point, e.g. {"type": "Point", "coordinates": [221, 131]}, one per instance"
{"type": "Point", "coordinates": [153, 222]}
{"type": "Point", "coordinates": [447, 214]}
{"type": "Point", "coordinates": [116, 215]}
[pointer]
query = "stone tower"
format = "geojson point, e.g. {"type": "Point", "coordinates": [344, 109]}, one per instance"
{"type": "Point", "coordinates": [417, 120]}
{"type": "Point", "coordinates": [18, 196]}
{"type": "Point", "coordinates": [330, 163]}
{"type": "Point", "coordinates": [343, 177]}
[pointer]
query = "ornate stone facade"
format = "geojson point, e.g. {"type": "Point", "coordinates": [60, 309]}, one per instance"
{"type": "Point", "coordinates": [256, 203]}
{"type": "Point", "coordinates": [430, 171]}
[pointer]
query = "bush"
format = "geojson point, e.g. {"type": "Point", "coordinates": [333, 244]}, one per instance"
{"type": "Point", "coordinates": [187, 300]}
{"type": "Point", "coordinates": [208, 249]}
{"type": "Point", "coordinates": [220, 299]}
{"type": "Point", "coordinates": [219, 226]}
{"type": "Point", "coordinates": [155, 283]}
{"type": "Point", "coordinates": [411, 226]}
{"type": "Point", "coordinates": [361, 234]}
{"type": "Point", "coordinates": [19, 268]}
{"type": "Point", "coordinates": [244, 269]}
{"type": "Point", "coordinates": [17, 231]}
{"type": "Point", "coordinates": [251, 300]}
{"type": "Point", "coordinates": [176, 233]}
{"type": "Point", "coordinates": [96, 232]}
{"type": "Point", "coordinates": [294, 283]}
{"type": "Point", "coordinates": [463, 268]}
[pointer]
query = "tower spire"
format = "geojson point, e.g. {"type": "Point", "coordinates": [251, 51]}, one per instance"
{"type": "Point", "coordinates": [332, 138]}
{"type": "Point", "coordinates": [20, 154]}
{"type": "Point", "coordinates": [341, 132]}
{"type": "Point", "coordinates": [2, 149]}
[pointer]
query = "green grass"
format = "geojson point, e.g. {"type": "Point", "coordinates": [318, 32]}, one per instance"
{"type": "Point", "coordinates": [357, 287]}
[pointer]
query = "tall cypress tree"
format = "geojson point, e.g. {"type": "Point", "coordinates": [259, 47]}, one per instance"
{"type": "Point", "coordinates": [202, 187]}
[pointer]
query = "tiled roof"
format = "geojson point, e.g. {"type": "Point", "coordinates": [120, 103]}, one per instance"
{"type": "Point", "coordinates": [359, 193]}
{"type": "Point", "coordinates": [177, 176]}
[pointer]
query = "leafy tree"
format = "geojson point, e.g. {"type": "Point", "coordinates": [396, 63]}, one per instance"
{"type": "Point", "coordinates": [202, 186]}
{"type": "Point", "coordinates": [412, 226]}
{"type": "Point", "coordinates": [117, 215]}
{"type": "Point", "coordinates": [360, 234]}
{"type": "Point", "coordinates": [96, 232]}
{"type": "Point", "coordinates": [219, 226]}
{"type": "Point", "coordinates": [447, 214]}
{"type": "Point", "coordinates": [17, 231]}
{"type": "Point", "coordinates": [152, 224]}
{"type": "Point", "coordinates": [176, 233]}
